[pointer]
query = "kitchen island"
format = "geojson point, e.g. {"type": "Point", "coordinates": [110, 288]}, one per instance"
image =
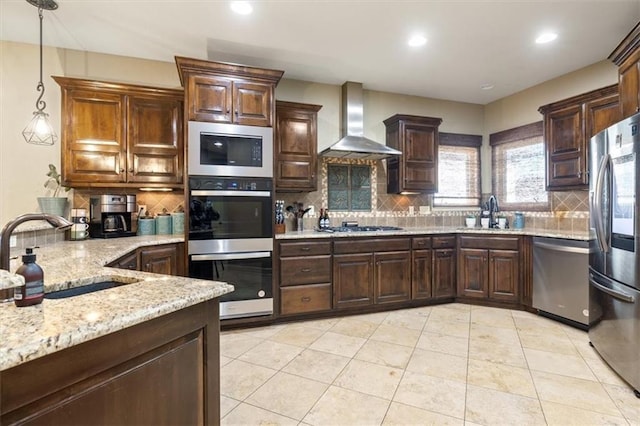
{"type": "Point", "coordinates": [146, 352]}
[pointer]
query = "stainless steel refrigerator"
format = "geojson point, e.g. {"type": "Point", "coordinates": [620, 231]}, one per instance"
{"type": "Point", "coordinates": [614, 259]}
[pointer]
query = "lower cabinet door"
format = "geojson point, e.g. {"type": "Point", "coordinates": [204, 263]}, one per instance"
{"type": "Point", "coordinates": [392, 277]}
{"type": "Point", "coordinates": [473, 273]}
{"type": "Point", "coordinates": [305, 298]}
{"type": "Point", "coordinates": [444, 273]}
{"type": "Point", "coordinates": [352, 280]}
{"type": "Point", "coordinates": [504, 275]}
{"type": "Point", "coordinates": [421, 274]}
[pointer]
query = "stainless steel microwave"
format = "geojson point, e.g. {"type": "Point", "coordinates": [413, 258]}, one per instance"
{"type": "Point", "coordinates": [221, 149]}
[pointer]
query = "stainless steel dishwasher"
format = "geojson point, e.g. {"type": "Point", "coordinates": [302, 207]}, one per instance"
{"type": "Point", "coordinates": [560, 279]}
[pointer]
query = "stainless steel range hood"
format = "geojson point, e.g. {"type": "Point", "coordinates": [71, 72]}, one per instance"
{"type": "Point", "coordinates": [353, 144]}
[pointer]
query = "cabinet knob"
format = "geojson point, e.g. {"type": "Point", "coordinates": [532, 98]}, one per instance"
{"type": "Point", "coordinates": [579, 175]}
{"type": "Point", "coordinates": [228, 110]}
{"type": "Point", "coordinates": [131, 170]}
{"type": "Point", "coordinates": [305, 299]}
{"type": "Point", "coordinates": [306, 269]}
{"type": "Point", "coordinates": [121, 170]}
{"type": "Point", "coordinates": [236, 112]}
{"type": "Point", "coordinates": [420, 243]}
{"type": "Point", "coordinates": [305, 249]}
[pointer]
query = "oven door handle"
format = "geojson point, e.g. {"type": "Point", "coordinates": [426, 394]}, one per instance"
{"type": "Point", "coordinates": [231, 256]}
{"type": "Point", "coordinates": [208, 193]}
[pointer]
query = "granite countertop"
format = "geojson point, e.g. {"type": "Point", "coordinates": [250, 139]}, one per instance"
{"type": "Point", "coordinates": [408, 231]}
{"type": "Point", "coordinates": [32, 332]}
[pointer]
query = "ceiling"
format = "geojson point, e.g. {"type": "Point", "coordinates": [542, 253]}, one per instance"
{"type": "Point", "coordinates": [470, 43]}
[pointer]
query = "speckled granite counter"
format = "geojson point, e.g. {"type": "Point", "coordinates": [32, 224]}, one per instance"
{"type": "Point", "coordinates": [31, 332]}
{"type": "Point", "coordinates": [440, 230]}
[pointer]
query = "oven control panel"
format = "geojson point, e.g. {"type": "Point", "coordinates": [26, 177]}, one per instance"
{"type": "Point", "coordinates": [230, 183]}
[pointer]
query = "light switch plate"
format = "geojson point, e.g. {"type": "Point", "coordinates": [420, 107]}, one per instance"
{"type": "Point", "coordinates": [13, 241]}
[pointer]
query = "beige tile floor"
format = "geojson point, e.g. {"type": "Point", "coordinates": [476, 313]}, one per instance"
{"type": "Point", "coordinates": [448, 364]}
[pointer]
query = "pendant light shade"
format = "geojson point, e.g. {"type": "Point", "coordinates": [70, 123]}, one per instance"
{"type": "Point", "coordinates": [39, 130]}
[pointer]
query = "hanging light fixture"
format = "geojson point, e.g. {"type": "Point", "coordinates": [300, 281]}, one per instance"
{"type": "Point", "coordinates": [39, 131]}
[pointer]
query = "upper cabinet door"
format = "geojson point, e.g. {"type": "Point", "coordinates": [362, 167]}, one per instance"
{"type": "Point", "coordinates": [155, 140]}
{"type": "Point", "coordinates": [252, 103]}
{"type": "Point", "coordinates": [93, 137]}
{"type": "Point", "coordinates": [211, 99]}
{"type": "Point", "coordinates": [296, 146]}
{"type": "Point", "coordinates": [566, 147]}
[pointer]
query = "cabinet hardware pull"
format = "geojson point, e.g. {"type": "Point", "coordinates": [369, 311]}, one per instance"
{"type": "Point", "coordinates": [306, 269]}
{"type": "Point", "coordinates": [579, 175]}
{"type": "Point", "coordinates": [305, 248]}
{"type": "Point", "coordinates": [305, 299]}
{"type": "Point", "coordinates": [420, 243]}
{"type": "Point", "coordinates": [147, 267]}
{"type": "Point", "coordinates": [228, 110]}
{"type": "Point", "coordinates": [121, 170]}
{"type": "Point", "coordinates": [236, 112]}
{"type": "Point", "coordinates": [131, 170]}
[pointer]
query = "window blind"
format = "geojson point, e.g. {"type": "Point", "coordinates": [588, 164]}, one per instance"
{"type": "Point", "coordinates": [518, 164]}
{"type": "Point", "coordinates": [458, 171]}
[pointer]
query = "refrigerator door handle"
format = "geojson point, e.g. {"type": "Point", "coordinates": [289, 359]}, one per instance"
{"type": "Point", "coordinates": [613, 293]}
{"type": "Point", "coordinates": [598, 219]}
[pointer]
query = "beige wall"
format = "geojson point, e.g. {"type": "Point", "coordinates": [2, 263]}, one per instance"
{"type": "Point", "coordinates": [23, 167]}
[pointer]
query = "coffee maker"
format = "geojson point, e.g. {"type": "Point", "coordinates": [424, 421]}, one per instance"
{"type": "Point", "coordinates": [110, 216]}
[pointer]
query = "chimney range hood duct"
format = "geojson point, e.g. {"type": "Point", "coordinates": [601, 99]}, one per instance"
{"type": "Point", "coordinates": [353, 144]}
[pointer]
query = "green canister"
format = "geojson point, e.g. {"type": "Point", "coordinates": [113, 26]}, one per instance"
{"type": "Point", "coordinates": [163, 224]}
{"type": "Point", "coordinates": [146, 226]}
{"type": "Point", "coordinates": [518, 221]}
{"type": "Point", "coordinates": [177, 222]}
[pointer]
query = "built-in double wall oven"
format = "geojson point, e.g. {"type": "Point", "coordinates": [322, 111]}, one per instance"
{"type": "Point", "coordinates": [231, 214]}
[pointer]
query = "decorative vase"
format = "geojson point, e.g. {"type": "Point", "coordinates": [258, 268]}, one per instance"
{"type": "Point", "coordinates": [53, 205]}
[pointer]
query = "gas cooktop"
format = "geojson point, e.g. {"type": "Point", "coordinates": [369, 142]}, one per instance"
{"type": "Point", "coordinates": [358, 229]}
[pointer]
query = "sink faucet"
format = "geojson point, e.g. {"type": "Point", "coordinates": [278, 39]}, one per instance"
{"type": "Point", "coordinates": [493, 209]}
{"type": "Point", "coordinates": [58, 222]}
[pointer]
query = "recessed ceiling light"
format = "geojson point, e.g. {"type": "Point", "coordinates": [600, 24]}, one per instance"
{"type": "Point", "coordinates": [546, 38]}
{"type": "Point", "coordinates": [241, 7]}
{"type": "Point", "coordinates": [417, 40]}
{"type": "Point", "coordinates": [487, 86]}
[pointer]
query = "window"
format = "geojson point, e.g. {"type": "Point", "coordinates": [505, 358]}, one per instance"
{"type": "Point", "coordinates": [458, 170]}
{"type": "Point", "coordinates": [349, 187]}
{"type": "Point", "coordinates": [518, 162]}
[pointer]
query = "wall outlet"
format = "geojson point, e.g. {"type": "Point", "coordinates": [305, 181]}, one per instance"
{"type": "Point", "coordinates": [411, 210]}
{"type": "Point", "coordinates": [13, 241]}
{"type": "Point", "coordinates": [312, 211]}
{"type": "Point", "coordinates": [425, 209]}
{"type": "Point", "coordinates": [142, 207]}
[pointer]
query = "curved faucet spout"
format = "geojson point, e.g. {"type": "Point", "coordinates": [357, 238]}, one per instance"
{"type": "Point", "coordinates": [58, 222]}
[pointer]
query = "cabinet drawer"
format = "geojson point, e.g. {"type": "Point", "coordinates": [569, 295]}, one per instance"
{"type": "Point", "coordinates": [421, 243]}
{"type": "Point", "coordinates": [305, 248]}
{"type": "Point", "coordinates": [305, 298]}
{"type": "Point", "coordinates": [490, 242]}
{"type": "Point", "coordinates": [305, 270]}
{"type": "Point", "coordinates": [447, 241]}
{"type": "Point", "coordinates": [371, 245]}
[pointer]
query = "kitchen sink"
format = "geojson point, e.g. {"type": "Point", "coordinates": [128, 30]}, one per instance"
{"type": "Point", "coordinates": [103, 284]}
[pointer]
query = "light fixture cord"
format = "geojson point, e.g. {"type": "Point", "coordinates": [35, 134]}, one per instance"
{"type": "Point", "coordinates": [40, 104]}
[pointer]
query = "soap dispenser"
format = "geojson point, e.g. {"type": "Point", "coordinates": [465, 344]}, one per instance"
{"type": "Point", "coordinates": [32, 292]}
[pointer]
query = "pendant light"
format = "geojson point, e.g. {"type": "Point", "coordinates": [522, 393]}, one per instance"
{"type": "Point", "coordinates": [39, 131]}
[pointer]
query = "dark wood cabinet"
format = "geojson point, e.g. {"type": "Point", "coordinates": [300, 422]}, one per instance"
{"type": "Point", "coordinates": [159, 260]}
{"type": "Point", "coordinates": [228, 93]}
{"type": "Point", "coordinates": [434, 267]}
{"type": "Point", "coordinates": [352, 280]}
{"type": "Point", "coordinates": [162, 371]}
{"type": "Point", "coordinates": [167, 259]}
{"type": "Point", "coordinates": [627, 57]}
{"type": "Point", "coordinates": [489, 268]}
{"type": "Point", "coordinates": [296, 146]}
{"type": "Point", "coordinates": [304, 277]}
{"type": "Point", "coordinates": [444, 273]}
{"type": "Point", "coordinates": [121, 135]}
{"type": "Point", "coordinates": [416, 170]}
{"type": "Point", "coordinates": [392, 282]}
{"type": "Point", "coordinates": [568, 126]}
{"type": "Point", "coordinates": [371, 271]}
